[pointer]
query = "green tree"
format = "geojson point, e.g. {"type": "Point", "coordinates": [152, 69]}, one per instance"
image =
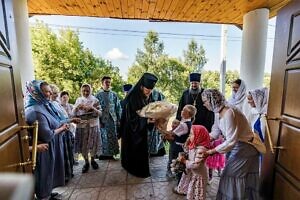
{"type": "Point", "coordinates": [172, 74]}
{"type": "Point", "coordinates": [229, 78]}
{"type": "Point", "coordinates": [211, 79]}
{"type": "Point", "coordinates": [195, 56]}
{"type": "Point", "coordinates": [61, 59]}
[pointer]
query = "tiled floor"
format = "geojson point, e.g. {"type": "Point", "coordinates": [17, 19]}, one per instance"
{"type": "Point", "coordinates": [112, 182]}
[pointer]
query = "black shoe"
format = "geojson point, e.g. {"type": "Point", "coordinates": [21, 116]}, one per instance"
{"type": "Point", "coordinates": [105, 157]}
{"type": "Point", "coordinates": [85, 168]}
{"type": "Point", "coordinates": [94, 164]}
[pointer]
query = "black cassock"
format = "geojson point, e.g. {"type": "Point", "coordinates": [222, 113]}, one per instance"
{"type": "Point", "coordinates": [203, 116]}
{"type": "Point", "coordinates": [134, 135]}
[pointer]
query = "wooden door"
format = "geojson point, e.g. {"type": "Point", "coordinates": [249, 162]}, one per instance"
{"type": "Point", "coordinates": [13, 140]}
{"type": "Point", "coordinates": [281, 170]}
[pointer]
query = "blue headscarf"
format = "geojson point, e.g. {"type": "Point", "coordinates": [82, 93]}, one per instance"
{"type": "Point", "coordinates": [35, 96]}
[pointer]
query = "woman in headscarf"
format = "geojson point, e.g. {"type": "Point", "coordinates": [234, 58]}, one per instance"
{"type": "Point", "coordinates": [240, 177]}
{"type": "Point", "coordinates": [238, 96]}
{"type": "Point", "coordinates": [258, 100]}
{"type": "Point", "coordinates": [87, 137]}
{"type": "Point", "coordinates": [49, 172]}
{"type": "Point", "coordinates": [67, 137]}
{"type": "Point", "coordinates": [134, 146]}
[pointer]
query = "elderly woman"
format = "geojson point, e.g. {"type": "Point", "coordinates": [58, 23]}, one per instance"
{"type": "Point", "coordinates": [240, 178]}
{"type": "Point", "coordinates": [49, 171]}
{"type": "Point", "coordinates": [67, 137]}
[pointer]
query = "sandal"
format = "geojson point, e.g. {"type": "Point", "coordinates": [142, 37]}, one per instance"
{"type": "Point", "coordinates": [85, 168]}
{"type": "Point", "coordinates": [94, 164]}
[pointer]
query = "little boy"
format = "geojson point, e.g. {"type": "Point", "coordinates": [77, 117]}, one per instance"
{"type": "Point", "coordinates": [179, 135]}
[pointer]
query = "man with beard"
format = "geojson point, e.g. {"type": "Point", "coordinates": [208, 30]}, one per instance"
{"type": "Point", "coordinates": [192, 96]}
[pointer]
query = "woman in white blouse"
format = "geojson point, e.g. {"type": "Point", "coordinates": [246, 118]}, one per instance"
{"type": "Point", "coordinates": [240, 177]}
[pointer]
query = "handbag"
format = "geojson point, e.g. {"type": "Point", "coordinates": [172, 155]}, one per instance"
{"type": "Point", "coordinates": [258, 144]}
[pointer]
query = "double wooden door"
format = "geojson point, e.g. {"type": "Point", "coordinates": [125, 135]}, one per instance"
{"type": "Point", "coordinates": [13, 139]}
{"type": "Point", "coordinates": [281, 170]}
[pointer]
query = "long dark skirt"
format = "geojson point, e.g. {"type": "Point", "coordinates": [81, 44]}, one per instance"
{"type": "Point", "coordinates": [68, 139]}
{"type": "Point", "coordinates": [240, 178]}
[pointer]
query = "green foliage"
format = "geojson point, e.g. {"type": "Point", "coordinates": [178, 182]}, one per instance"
{"type": "Point", "coordinates": [195, 56]}
{"type": "Point", "coordinates": [61, 59]}
{"type": "Point", "coordinates": [211, 79]}
{"type": "Point", "coordinates": [229, 78]}
{"type": "Point", "coordinates": [172, 74]}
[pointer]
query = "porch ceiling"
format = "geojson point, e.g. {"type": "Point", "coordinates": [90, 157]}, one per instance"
{"type": "Point", "coordinates": [204, 11]}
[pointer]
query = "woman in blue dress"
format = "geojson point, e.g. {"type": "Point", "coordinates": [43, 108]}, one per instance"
{"type": "Point", "coordinates": [49, 172]}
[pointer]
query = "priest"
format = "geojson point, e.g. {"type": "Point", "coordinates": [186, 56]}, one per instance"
{"type": "Point", "coordinates": [192, 96]}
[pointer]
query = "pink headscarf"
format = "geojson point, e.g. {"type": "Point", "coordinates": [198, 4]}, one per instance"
{"type": "Point", "coordinates": [201, 137]}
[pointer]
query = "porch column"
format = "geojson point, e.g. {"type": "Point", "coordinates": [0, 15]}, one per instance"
{"type": "Point", "coordinates": [24, 55]}
{"type": "Point", "coordinates": [254, 43]}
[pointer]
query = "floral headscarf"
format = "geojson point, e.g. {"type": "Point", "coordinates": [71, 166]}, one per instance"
{"type": "Point", "coordinates": [239, 96]}
{"type": "Point", "coordinates": [215, 98]}
{"type": "Point", "coordinates": [201, 137]}
{"type": "Point", "coordinates": [35, 96]}
{"type": "Point", "coordinates": [260, 97]}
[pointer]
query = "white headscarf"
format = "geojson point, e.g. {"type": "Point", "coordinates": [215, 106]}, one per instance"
{"type": "Point", "coordinates": [216, 99]}
{"type": "Point", "coordinates": [260, 97]}
{"type": "Point", "coordinates": [239, 96]}
{"type": "Point", "coordinates": [88, 101]}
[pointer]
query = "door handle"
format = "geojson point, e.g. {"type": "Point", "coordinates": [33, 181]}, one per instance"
{"type": "Point", "coordinates": [272, 147]}
{"type": "Point", "coordinates": [275, 119]}
{"type": "Point", "coordinates": [31, 162]}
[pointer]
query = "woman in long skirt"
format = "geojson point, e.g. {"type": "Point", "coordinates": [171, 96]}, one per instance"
{"type": "Point", "coordinates": [240, 178]}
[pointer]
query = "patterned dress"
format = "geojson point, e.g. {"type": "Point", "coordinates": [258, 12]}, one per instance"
{"type": "Point", "coordinates": [110, 119]}
{"type": "Point", "coordinates": [194, 182]}
{"type": "Point", "coordinates": [87, 137]}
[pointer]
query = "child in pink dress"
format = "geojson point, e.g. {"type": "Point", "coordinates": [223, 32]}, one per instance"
{"type": "Point", "coordinates": [193, 183]}
{"type": "Point", "coordinates": [216, 161]}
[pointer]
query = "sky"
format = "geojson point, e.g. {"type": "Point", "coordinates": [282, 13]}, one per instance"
{"type": "Point", "coordinates": [118, 40]}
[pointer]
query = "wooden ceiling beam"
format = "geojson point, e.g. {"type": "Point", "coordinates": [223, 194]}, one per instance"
{"type": "Point", "coordinates": [200, 11]}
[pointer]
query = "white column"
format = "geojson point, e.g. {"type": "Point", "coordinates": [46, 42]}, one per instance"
{"type": "Point", "coordinates": [24, 54]}
{"type": "Point", "coordinates": [223, 58]}
{"type": "Point", "coordinates": [254, 43]}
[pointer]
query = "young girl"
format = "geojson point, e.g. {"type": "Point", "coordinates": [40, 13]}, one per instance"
{"type": "Point", "coordinates": [87, 137]}
{"type": "Point", "coordinates": [193, 183]}
{"type": "Point", "coordinates": [216, 161]}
